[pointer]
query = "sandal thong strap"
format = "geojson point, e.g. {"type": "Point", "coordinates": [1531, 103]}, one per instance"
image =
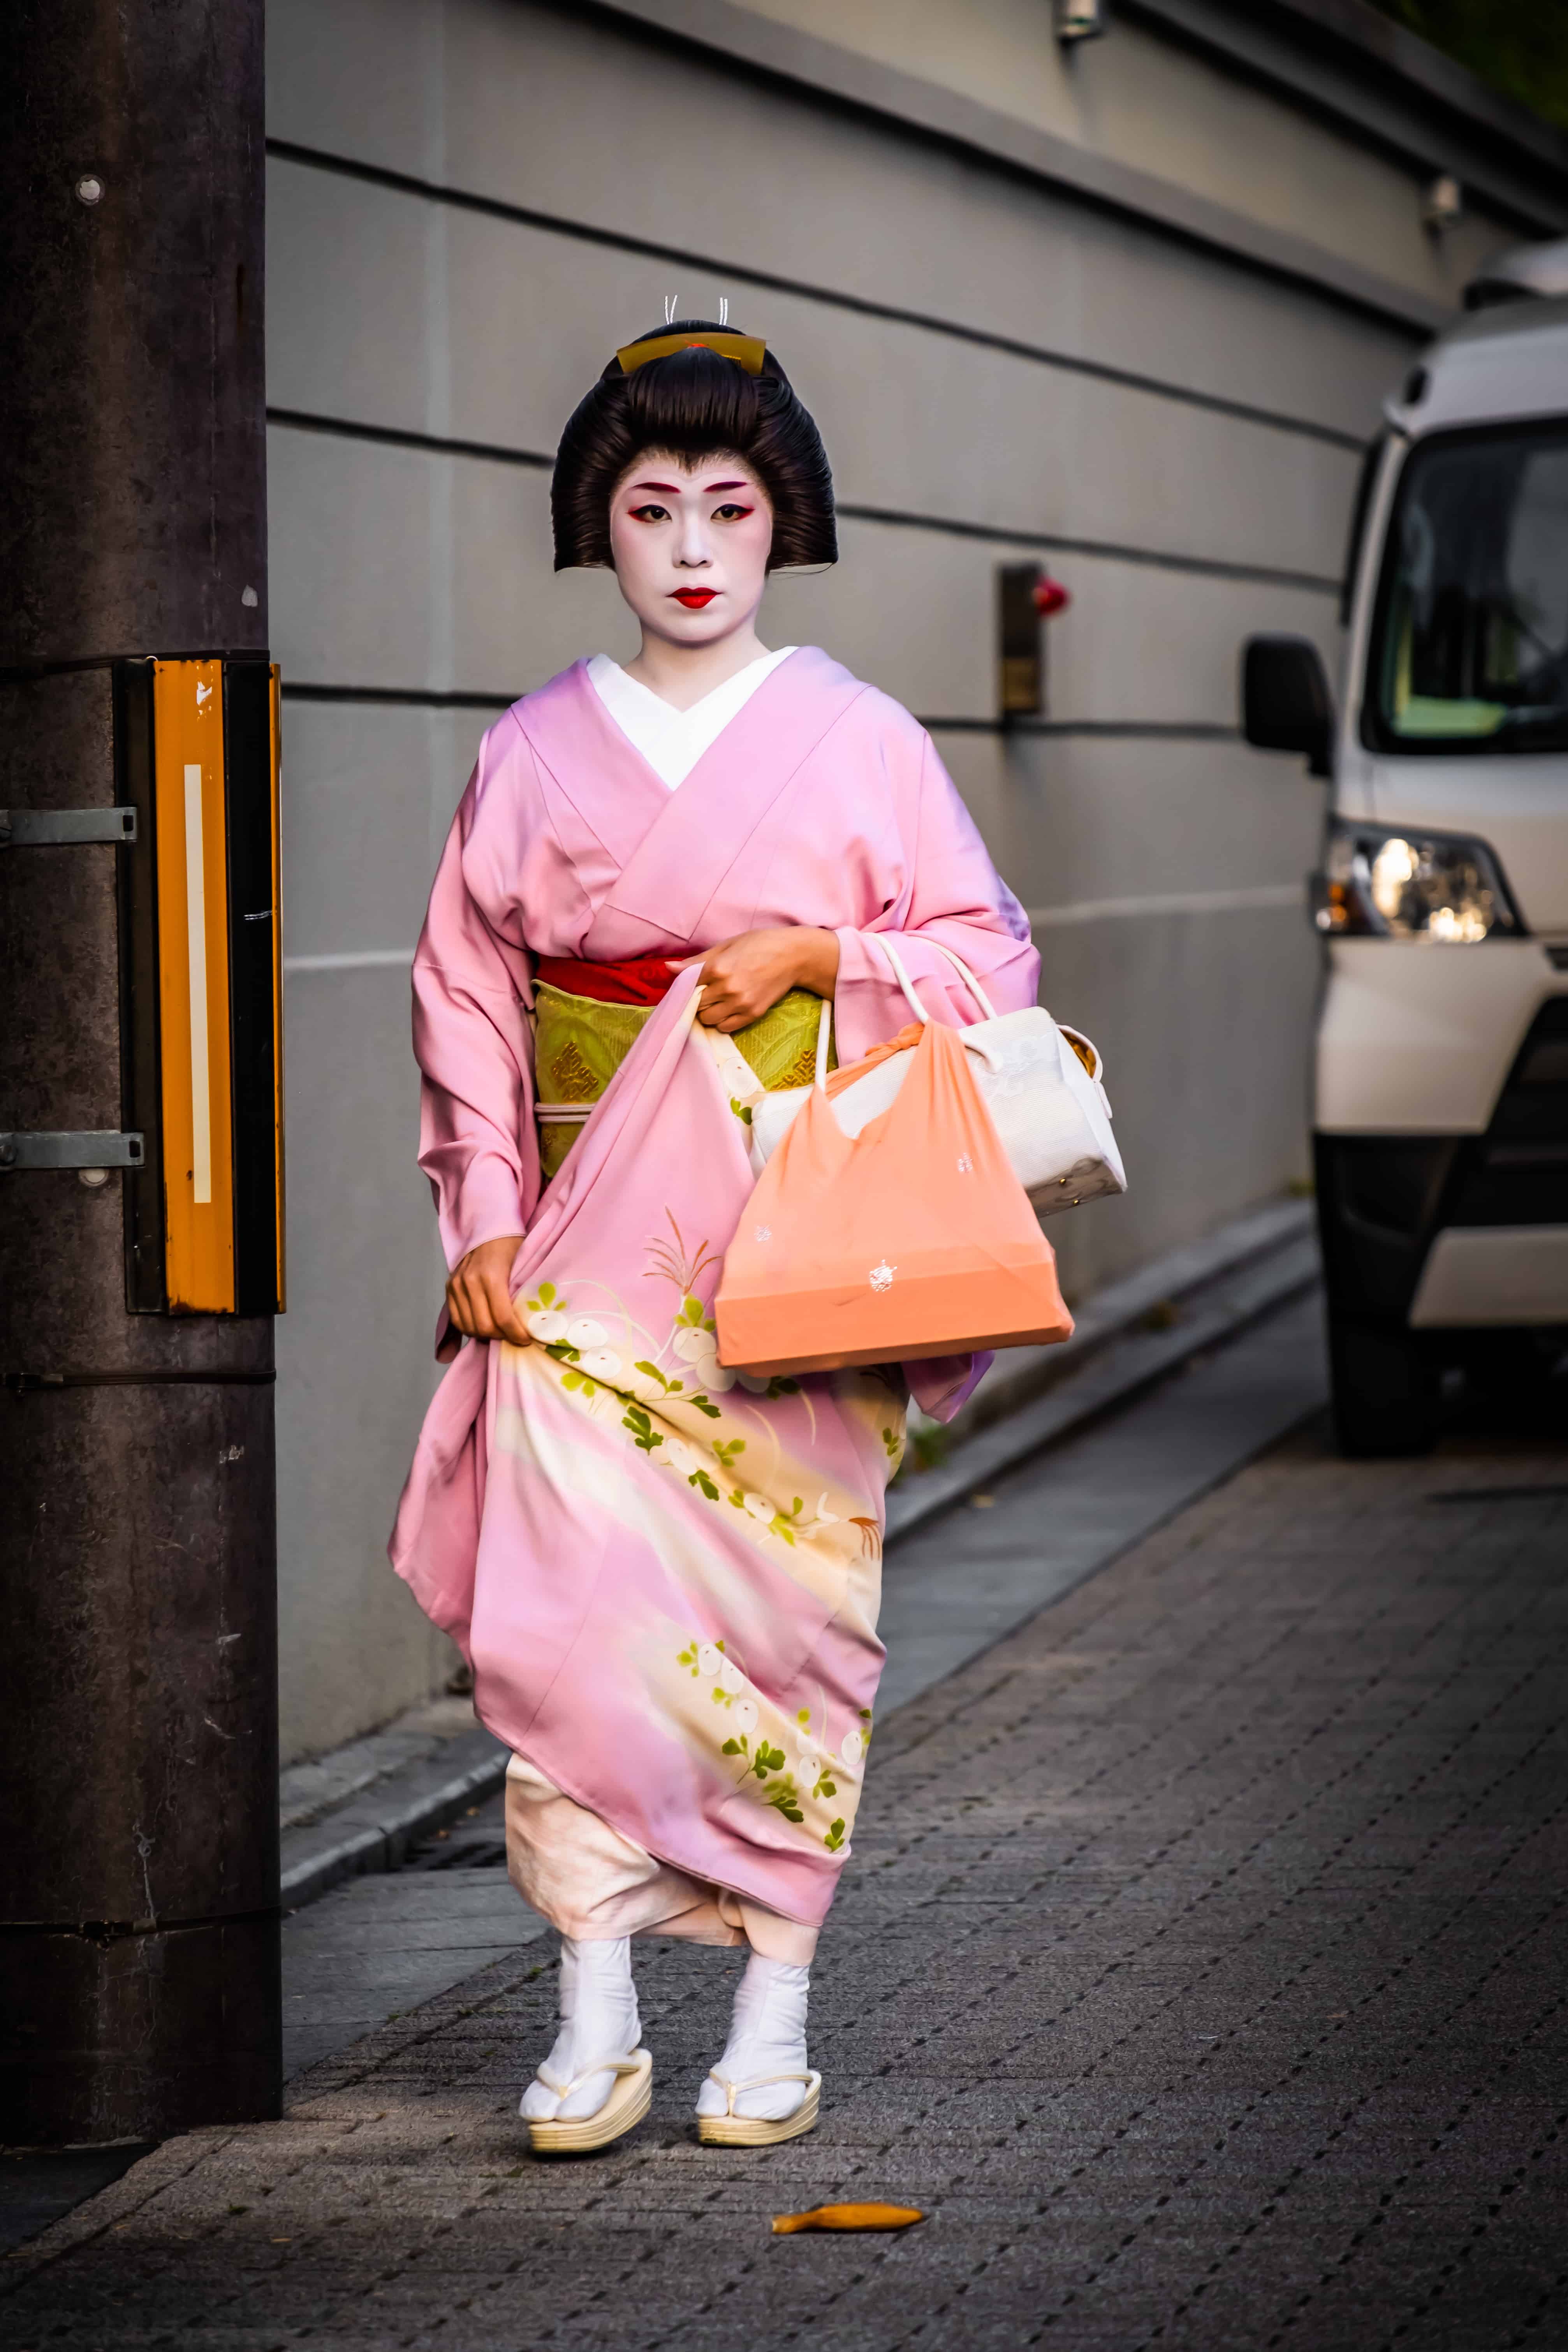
{"type": "Point", "coordinates": [732, 2091]}
{"type": "Point", "coordinates": [625, 2064]}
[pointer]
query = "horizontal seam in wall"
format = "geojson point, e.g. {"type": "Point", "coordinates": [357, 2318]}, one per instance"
{"type": "Point", "coordinates": [1013, 347]}
{"type": "Point", "coordinates": [1197, 730]}
{"type": "Point", "coordinates": [301, 420]}
{"type": "Point", "coordinates": [420, 698]}
{"type": "Point", "coordinates": [353, 960]}
{"type": "Point", "coordinates": [1083, 910]}
{"type": "Point", "coordinates": [1256, 897]}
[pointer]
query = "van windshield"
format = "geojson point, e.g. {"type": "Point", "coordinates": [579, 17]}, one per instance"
{"type": "Point", "coordinates": [1471, 646]}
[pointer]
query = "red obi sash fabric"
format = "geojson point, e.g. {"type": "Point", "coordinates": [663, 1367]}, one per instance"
{"type": "Point", "coordinates": [642, 980]}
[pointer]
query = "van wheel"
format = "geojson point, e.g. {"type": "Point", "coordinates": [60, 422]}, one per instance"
{"type": "Point", "coordinates": [1385, 1392]}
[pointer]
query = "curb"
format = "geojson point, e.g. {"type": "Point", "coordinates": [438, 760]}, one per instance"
{"type": "Point", "coordinates": [1129, 1336]}
{"type": "Point", "coordinates": [374, 1831]}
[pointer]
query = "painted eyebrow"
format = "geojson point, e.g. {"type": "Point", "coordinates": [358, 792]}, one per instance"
{"type": "Point", "coordinates": [670, 490]}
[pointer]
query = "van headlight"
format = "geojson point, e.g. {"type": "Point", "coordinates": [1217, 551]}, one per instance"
{"type": "Point", "coordinates": [1377, 883]}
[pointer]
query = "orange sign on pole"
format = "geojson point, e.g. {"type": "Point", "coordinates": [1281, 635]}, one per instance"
{"type": "Point", "coordinates": [193, 935]}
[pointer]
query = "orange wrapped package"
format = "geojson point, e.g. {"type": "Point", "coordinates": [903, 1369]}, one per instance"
{"type": "Point", "coordinates": [913, 1238]}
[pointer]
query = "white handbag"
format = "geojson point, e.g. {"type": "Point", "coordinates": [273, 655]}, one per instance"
{"type": "Point", "coordinates": [1045, 1098]}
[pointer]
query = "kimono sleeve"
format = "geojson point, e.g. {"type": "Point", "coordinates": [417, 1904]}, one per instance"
{"type": "Point", "coordinates": [949, 892]}
{"type": "Point", "coordinates": [471, 1031]}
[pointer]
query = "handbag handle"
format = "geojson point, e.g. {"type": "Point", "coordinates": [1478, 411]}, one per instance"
{"type": "Point", "coordinates": [988, 1011]}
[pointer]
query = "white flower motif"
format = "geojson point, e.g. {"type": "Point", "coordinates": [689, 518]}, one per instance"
{"type": "Point", "coordinates": [759, 1507]}
{"type": "Point", "coordinates": [764, 1232]}
{"type": "Point", "coordinates": [600, 1363]}
{"type": "Point", "coordinates": [709, 1658]}
{"type": "Point", "coordinates": [965, 1165]}
{"type": "Point", "coordinates": [585, 1333]}
{"type": "Point", "coordinates": [730, 1678]}
{"type": "Point", "coordinates": [546, 1324]}
{"type": "Point", "coordinates": [743, 1715]}
{"type": "Point", "coordinates": [881, 1276]}
{"type": "Point", "coordinates": [700, 1350]}
{"type": "Point", "coordinates": [852, 1747]}
{"type": "Point", "coordinates": [690, 1345]}
{"type": "Point", "coordinates": [675, 1454]}
{"type": "Point", "coordinates": [810, 1763]}
{"type": "Point", "coordinates": [754, 1383]}
{"type": "Point", "coordinates": [713, 1375]}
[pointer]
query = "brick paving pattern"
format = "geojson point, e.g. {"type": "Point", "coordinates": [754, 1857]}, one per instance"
{"type": "Point", "coordinates": [1199, 1969]}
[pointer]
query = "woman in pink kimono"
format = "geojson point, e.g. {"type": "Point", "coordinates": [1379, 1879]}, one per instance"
{"type": "Point", "coordinates": [667, 1575]}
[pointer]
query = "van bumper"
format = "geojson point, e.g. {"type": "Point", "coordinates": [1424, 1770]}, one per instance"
{"type": "Point", "coordinates": [1458, 1231]}
{"type": "Point", "coordinates": [1415, 1039]}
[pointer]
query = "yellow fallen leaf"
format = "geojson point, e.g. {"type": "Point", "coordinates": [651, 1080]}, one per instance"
{"type": "Point", "coordinates": [847, 2217]}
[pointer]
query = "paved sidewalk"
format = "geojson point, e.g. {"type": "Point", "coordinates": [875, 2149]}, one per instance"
{"type": "Point", "coordinates": [1199, 1969]}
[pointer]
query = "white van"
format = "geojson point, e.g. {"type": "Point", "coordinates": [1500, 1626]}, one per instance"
{"type": "Point", "coordinates": [1440, 1111]}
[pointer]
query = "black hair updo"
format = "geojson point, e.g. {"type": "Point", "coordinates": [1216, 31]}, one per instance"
{"type": "Point", "coordinates": [694, 403]}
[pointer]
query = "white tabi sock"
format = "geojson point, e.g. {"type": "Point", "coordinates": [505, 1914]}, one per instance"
{"type": "Point", "coordinates": [598, 2019]}
{"type": "Point", "coordinates": [767, 2036]}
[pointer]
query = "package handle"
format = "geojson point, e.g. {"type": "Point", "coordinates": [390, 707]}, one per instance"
{"type": "Point", "coordinates": [987, 1010]}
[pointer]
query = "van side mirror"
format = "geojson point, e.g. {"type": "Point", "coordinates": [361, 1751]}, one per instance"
{"type": "Point", "coordinates": [1286, 704]}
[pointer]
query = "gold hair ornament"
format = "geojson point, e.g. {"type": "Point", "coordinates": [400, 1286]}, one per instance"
{"type": "Point", "coordinates": [747, 350]}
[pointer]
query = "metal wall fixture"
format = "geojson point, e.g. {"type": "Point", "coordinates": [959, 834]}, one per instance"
{"type": "Point", "coordinates": [1079, 20]}
{"type": "Point", "coordinates": [1026, 596]}
{"type": "Point", "coordinates": [1442, 203]}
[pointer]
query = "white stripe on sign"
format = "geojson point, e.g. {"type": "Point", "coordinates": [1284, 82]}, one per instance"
{"type": "Point", "coordinates": [197, 945]}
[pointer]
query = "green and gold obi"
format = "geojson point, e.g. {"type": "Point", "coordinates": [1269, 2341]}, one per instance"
{"type": "Point", "coordinates": [579, 1044]}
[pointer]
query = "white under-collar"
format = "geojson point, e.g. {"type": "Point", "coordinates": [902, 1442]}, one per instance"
{"type": "Point", "coordinates": [671, 740]}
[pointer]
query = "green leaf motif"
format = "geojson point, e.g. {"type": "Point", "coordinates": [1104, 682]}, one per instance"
{"type": "Point", "coordinates": [742, 1111]}
{"type": "Point", "coordinates": [730, 1748]}
{"type": "Point", "coordinates": [703, 1406]}
{"type": "Point", "coordinates": [690, 1312]}
{"type": "Point", "coordinates": [700, 1478]}
{"type": "Point", "coordinates": [834, 1837]}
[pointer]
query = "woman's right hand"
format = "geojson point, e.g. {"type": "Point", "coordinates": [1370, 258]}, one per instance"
{"type": "Point", "coordinates": [479, 1300]}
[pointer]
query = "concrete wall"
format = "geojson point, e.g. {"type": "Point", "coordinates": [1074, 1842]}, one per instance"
{"type": "Point", "coordinates": [1176, 432]}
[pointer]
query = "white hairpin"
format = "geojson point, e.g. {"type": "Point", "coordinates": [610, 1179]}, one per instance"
{"type": "Point", "coordinates": [724, 310]}
{"type": "Point", "coordinates": [671, 305]}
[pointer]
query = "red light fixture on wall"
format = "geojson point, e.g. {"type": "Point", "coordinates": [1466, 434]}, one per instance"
{"type": "Point", "coordinates": [1027, 595]}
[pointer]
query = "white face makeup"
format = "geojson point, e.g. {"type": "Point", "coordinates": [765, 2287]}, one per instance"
{"type": "Point", "coordinates": [690, 544]}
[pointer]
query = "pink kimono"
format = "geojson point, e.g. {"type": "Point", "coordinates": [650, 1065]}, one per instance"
{"type": "Point", "coordinates": [667, 1576]}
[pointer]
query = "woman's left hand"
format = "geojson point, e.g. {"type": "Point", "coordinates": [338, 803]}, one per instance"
{"type": "Point", "coordinates": [744, 977]}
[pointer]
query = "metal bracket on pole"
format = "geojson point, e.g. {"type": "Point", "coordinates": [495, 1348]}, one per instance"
{"type": "Point", "coordinates": [61, 1148]}
{"type": "Point", "coordinates": [53, 828]}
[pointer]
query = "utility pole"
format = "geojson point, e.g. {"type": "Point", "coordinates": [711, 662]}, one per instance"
{"type": "Point", "coordinates": [139, 1971]}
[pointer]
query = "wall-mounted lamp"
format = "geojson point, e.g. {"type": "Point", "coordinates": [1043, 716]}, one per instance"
{"type": "Point", "coordinates": [1080, 20]}
{"type": "Point", "coordinates": [1027, 595]}
{"type": "Point", "coordinates": [1442, 203]}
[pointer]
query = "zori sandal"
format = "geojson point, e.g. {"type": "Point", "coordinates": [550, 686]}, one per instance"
{"type": "Point", "coordinates": [626, 2104]}
{"type": "Point", "coordinates": [731, 2130]}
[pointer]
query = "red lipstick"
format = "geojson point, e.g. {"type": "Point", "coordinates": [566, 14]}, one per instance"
{"type": "Point", "coordinates": [694, 599]}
